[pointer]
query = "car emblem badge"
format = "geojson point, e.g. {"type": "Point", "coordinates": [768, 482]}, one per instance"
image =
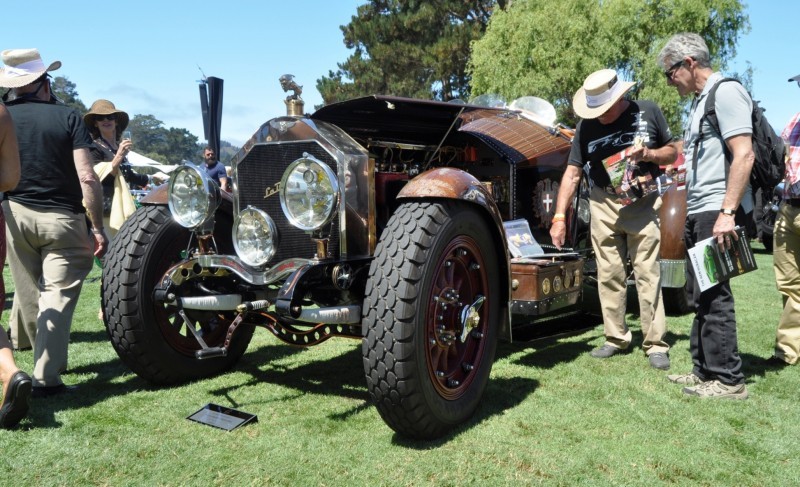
{"type": "Point", "coordinates": [271, 190]}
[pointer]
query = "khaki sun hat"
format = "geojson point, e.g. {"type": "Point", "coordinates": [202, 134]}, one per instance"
{"type": "Point", "coordinates": [599, 92]}
{"type": "Point", "coordinates": [105, 107]}
{"type": "Point", "coordinates": [23, 67]}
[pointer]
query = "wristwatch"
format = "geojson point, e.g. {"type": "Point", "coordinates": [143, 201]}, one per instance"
{"type": "Point", "coordinates": [727, 211]}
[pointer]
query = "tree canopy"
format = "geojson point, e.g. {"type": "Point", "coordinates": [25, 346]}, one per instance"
{"type": "Point", "coordinates": [64, 89]}
{"type": "Point", "coordinates": [546, 48]}
{"type": "Point", "coordinates": [412, 48]}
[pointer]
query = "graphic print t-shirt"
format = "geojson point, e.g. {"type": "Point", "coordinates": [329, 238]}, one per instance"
{"type": "Point", "coordinates": [594, 141]}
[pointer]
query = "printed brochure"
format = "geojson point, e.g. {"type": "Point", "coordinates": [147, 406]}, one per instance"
{"type": "Point", "coordinates": [712, 265]}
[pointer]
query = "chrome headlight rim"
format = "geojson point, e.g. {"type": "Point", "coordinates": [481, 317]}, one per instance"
{"type": "Point", "coordinates": [244, 254]}
{"type": "Point", "coordinates": [200, 185]}
{"type": "Point", "coordinates": [334, 189]}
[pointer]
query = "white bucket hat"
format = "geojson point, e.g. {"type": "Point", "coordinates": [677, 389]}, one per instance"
{"type": "Point", "coordinates": [23, 67]}
{"type": "Point", "coordinates": [600, 90]}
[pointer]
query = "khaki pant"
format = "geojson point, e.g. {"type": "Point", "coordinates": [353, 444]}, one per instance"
{"type": "Point", "coordinates": [619, 232]}
{"type": "Point", "coordinates": [49, 255]}
{"type": "Point", "coordinates": [786, 259]}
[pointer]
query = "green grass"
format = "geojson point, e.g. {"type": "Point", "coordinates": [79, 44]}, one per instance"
{"type": "Point", "coordinates": [552, 415]}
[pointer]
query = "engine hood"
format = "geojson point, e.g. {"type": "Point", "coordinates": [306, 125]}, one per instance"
{"type": "Point", "coordinates": [425, 122]}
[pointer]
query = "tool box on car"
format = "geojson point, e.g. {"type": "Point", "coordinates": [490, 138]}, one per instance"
{"type": "Point", "coordinates": [543, 284]}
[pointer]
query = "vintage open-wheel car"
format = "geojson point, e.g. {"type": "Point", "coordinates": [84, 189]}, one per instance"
{"type": "Point", "coordinates": [379, 218]}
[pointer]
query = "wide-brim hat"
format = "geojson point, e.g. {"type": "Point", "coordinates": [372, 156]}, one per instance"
{"type": "Point", "coordinates": [599, 92]}
{"type": "Point", "coordinates": [22, 67]}
{"type": "Point", "coordinates": [105, 107]}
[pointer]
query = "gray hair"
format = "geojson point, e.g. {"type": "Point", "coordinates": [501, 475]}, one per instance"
{"type": "Point", "coordinates": [685, 44]}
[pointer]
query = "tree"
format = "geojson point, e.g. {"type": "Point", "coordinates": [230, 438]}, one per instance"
{"type": "Point", "coordinates": [546, 48]}
{"type": "Point", "coordinates": [170, 146]}
{"type": "Point", "coordinates": [409, 48]}
{"type": "Point", "coordinates": [64, 89]}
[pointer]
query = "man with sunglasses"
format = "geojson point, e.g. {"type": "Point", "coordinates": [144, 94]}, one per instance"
{"type": "Point", "coordinates": [717, 193]}
{"type": "Point", "coordinates": [50, 246]}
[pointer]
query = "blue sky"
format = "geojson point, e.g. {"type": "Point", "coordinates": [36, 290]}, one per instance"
{"type": "Point", "coordinates": [144, 55]}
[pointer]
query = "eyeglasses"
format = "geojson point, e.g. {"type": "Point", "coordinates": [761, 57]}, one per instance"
{"type": "Point", "coordinates": [671, 71]}
{"type": "Point", "coordinates": [107, 117]}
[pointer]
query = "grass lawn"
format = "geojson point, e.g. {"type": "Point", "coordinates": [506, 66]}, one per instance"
{"type": "Point", "coordinates": [552, 415]}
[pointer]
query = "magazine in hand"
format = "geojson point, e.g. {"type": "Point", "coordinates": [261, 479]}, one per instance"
{"type": "Point", "coordinates": [628, 181]}
{"type": "Point", "coordinates": [712, 265]}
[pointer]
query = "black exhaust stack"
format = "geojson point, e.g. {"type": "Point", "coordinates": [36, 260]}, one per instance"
{"type": "Point", "coordinates": [211, 107]}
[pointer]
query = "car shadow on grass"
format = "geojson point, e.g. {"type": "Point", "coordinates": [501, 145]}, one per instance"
{"type": "Point", "coordinates": [341, 375]}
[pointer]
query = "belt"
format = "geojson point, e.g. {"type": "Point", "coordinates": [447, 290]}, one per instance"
{"type": "Point", "coordinates": [793, 202]}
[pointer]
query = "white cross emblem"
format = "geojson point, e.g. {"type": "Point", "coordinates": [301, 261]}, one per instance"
{"type": "Point", "coordinates": [547, 202]}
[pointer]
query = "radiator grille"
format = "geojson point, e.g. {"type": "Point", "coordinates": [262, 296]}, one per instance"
{"type": "Point", "coordinates": [263, 167]}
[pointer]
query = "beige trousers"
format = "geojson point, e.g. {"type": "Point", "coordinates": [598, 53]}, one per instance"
{"type": "Point", "coordinates": [786, 261]}
{"type": "Point", "coordinates": [620, 232]}
{"type": "Point", "coordinates": [49, 252]}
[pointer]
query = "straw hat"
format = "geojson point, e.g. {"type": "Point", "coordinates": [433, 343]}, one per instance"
{"type": "Point", "coordinates": [23, 67]}
{"type": "Point", "coordinates": [105, 107]}
{"type": "Point", "coordinates": [600, 90]}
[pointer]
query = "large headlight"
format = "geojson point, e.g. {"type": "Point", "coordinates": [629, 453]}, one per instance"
{"type": "Point", "coordinates": [255, 237]}
{"type": "Point", "coordinates": [190, 198]}
{"type": "Point", "coordinates": [309, 193]}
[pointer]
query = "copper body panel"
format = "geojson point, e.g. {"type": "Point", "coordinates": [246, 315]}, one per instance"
{"type": "Point", "coordinates": [673, 219]}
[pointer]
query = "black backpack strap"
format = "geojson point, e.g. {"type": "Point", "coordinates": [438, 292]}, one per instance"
{"type": "Point", "coordinates": [710, 114]}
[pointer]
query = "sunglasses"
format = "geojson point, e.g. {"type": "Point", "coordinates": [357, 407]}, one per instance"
{"type": "Point", "coordinates": [671, 71]}
{"type": "Point", "coordinates": [107, 117]}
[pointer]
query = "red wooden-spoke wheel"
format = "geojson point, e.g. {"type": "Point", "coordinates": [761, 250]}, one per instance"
{"type": "Point", "coordinates": [455, 337]}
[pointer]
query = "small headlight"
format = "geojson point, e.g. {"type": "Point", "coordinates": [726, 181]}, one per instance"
{"type": "Point", "coordinates": [190, 199]}
{"type": "Point", "coordinates": [309, 193]}
{"type": "Point", "coordinates": [255, 237]}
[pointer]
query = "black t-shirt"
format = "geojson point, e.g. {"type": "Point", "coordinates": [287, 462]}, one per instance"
{"type": "Point", "coordinates": [594, 141]}
{"type": "Point", "coordinates": [47, 134]}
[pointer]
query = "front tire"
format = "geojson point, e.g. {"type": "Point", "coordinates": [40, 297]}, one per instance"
{"type": "Point", "coordinates": [149, 336]}
{"type": "Point", "coordinates": [425, 372]}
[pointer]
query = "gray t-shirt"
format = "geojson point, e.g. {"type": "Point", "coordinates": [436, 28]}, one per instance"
{"type": "Point", "coordinates": [706, 178]}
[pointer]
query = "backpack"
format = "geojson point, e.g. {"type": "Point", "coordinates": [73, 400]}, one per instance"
{"type": "Point", "coordinates": [769, 166]}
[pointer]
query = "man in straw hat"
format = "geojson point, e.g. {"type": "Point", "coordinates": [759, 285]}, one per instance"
{"type": "Point", "coordinates": [610, 124]}
{"type": "Point", "coordinates": [787, 248]}
{"type": "Point", "coordinates": [50, 246]}
{"type": "Point", "coordinates": [715, 188]}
